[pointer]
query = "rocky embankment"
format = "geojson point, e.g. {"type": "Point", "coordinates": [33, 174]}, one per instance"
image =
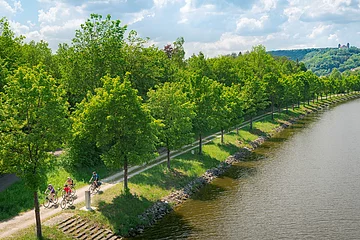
{"type": "Point", "coordinates": [162, 207]}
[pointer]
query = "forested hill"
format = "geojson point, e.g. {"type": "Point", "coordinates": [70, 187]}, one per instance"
{"type": "Point", "coordinates": [323, 60]}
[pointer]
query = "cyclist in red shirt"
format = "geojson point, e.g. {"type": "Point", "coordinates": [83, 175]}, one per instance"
{"type": "Point", "coordinates": [67, 190]}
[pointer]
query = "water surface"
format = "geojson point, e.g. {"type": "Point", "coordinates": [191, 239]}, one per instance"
{"type": "Point", "coordinates": [302, 184]}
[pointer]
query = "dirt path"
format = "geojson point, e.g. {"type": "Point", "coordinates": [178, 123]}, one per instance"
{"type": "Point", "coordinates": [26, 219]}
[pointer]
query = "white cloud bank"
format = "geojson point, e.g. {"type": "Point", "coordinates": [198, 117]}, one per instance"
{"type": "Point", "coordinates": [213, 27]}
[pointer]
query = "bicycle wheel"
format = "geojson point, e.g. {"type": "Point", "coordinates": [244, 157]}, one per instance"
{"type": "Point", "coordinates": [55, 198]}
{"type": "Point", "coordinates": [47, 202]}
{"type": "Point", "coordinates": [63, 193]}
{"type": "Point", "coordinates": [92, 189]}
{"type": "Point", "coordinates": [73, 191]}
{"type": "Point", "coordinates": [63, 203]}
{"type": "Point", "coordinates": [70, 200]}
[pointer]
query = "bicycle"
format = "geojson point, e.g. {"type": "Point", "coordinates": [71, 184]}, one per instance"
{"type": "Point", "coordinates": [66, 200]}
{"type": "Point", "coordinates": [48, 199]}
{"type": "Point", "coordinates": [73, 191]}
{"type": "Point", "coordinates": [94, 188]}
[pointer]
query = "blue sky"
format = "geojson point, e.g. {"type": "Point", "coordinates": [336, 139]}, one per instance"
{"type": "Point", "coordinates": [211, 26]}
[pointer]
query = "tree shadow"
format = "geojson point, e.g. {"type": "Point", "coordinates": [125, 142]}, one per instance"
{"type": "Point", "coordinates": [122, 213]}
{"type": "Point", "coordinates": [172, 226]}
{"type": "Point", "coordinates": [181, 172]}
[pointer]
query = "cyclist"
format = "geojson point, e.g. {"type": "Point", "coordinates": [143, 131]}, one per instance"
{"type": "Point", "coordinates": [69, 182]}
{"type": "Point", "coordinates": [67, 190]}
{"type": "Point", "coordinates": [51, 190]}
{"type": "Point", "coordinates": [95, 176]}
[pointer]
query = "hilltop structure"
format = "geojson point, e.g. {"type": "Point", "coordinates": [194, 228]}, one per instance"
{"type": "Point", "coordinates": [344, 46]}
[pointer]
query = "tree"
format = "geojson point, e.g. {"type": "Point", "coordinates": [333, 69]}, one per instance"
{"type": "Point", "coordinates": [228, 111]}
{"type": "Point", "coordinates": [170, 105]}
{"type": "Point", "coordinates": [204, 93]}
{"type": "Point", "coordinates": [254, 97]}
{"type": "Point", "coordinates": [223, 68]}
{"type": "Point", "coordinates": [33, 121]}
{"type": "Point", "coordinates": [120, 124]}
{"type": "Point", "coordinates": [148, 65]}
{"type": "Point", "coordinates": [10, 46]}
{"type": "Point", "coordinates": [95, 52]}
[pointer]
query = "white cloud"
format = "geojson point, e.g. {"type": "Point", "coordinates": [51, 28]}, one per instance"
{"type": "Point", "coordinates": [264, 6]}
{"type": "Point", "coordinates": [318, 30]}
{"type": "Point", "coordinates": [139, 16]}
{"type": "Point", "coordinates": [251, 23]}
{"type": "Point", "coordinates": [163, 3]}
{"type": "Point", "coordinates": [18, 28]}
{"type": "Point", "coordinates": [8, 9]}
{"type": "Point", "coordinates": [333, 36]}
{"type": "Point", "coordinates": [212, 26]}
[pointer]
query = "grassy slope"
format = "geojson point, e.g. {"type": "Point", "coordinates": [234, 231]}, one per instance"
{"type": "Point", "coordinates": [119, 212]}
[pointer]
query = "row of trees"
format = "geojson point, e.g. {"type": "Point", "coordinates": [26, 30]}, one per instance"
{"type": "Point", "coordinates": [114, 99]}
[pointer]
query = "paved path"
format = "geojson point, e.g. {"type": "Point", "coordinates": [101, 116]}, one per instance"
{"type": "Point", "coordinates": [26, 219]}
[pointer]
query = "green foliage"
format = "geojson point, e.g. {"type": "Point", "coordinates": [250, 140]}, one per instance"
{"type": "Point", "coordinates": [33, 113]}
{"type": "Point", "coordinates": [170, 105]}
{"type": "Point", "coordinates": [118, 122]}
{"type": "Point", "coordinates": [95, 52]}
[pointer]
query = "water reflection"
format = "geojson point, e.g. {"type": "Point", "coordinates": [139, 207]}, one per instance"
{"type": "Point", "coordinates": [302, 184]}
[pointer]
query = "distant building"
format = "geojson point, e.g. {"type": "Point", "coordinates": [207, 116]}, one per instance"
{"type": "Point", "coordinates": [344, 46]}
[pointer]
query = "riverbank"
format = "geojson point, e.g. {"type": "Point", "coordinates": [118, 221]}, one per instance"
{"type": "Point", "coordinates": [168, 203]}
{"type": "Point", "coordinates": [121, 212]}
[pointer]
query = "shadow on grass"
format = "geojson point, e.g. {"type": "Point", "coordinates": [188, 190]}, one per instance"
{"type": "Point", "coordinates": [183, 170]}
{"type": "Point", "coordinates": [15, 199]}
{"type": "Point", "coordinates": [122, 213]}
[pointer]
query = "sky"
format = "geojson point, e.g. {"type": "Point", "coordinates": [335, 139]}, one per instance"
{"type": "Point", "coordinates": [214, 27]}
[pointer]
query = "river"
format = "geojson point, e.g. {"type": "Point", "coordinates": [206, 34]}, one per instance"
{"type": "Point", "coordinates": [302, 184]}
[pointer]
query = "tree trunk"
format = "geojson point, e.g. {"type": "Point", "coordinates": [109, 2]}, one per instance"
{"type": "Point", "coordinates": [200, 144]}
{"type": "Point", "coordinates": [222, 136]}
{"type": "Point", "coordinates": [287, 109]}
{"type": "Point", "coordinates": [37, 216]}
{"type": "Point", "coordinates": [251, 123]}
{"type": "Point", "coordinates": [237, 130]}
{"type": "Point", "coordinates": [272, 108]}
{"type": "Point", "coordinates": [126, 175]}
{"type": "Point", "coordinates": [168, 158]}
{"type": "Point", "coordinates": [293, 106]}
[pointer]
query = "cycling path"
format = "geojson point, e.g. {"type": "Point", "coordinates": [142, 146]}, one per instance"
{"type": "Point", "coordinates": [26, 219]}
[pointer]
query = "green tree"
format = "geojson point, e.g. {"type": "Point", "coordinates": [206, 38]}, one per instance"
{"type": "Point", "coordinates": [119, 123]}
{"type": "Point", "coordinates": [228, 111]}
{"type": "Point", "coordinates": [170, 105]}
{"type": "Point", "coordinates": [95, 52]}
{"type": "Point", "coordinates": [148, 65]}
{"type": "Point", "coordinates": [10, 46]}
{"type": "Point", "coordinates": [205, 94]}
{"type": "Point", "coordinates": [33, 116]}
{"type": "Point", "coordinates": [254, 97]}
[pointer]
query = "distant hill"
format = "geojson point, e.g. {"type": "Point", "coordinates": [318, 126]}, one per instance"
{"type": "Point", "coordinates": [322, 60]}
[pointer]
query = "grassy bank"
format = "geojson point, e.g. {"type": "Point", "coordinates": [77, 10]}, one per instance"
{"type": "Point", "coordinates": [120, 212]}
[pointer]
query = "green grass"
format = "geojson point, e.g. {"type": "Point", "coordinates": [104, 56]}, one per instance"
{"type": "Point", "coordinates": [120, 212]}
{"type": "Point", "coordinates": [18, 198]}
{"type": "Point", "coordinates": [49, 233]}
